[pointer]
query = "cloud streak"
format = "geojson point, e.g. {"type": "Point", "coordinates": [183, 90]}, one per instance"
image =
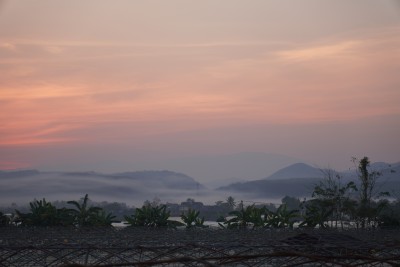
{"type": "Point", "coordinates": [337, 79]}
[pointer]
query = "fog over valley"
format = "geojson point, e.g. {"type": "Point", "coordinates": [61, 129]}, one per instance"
{"type": "Point", "coordinates": [133, 188]}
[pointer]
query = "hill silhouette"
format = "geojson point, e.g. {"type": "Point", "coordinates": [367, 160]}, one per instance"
{"type": "Point", "coordinates": [297, 170]}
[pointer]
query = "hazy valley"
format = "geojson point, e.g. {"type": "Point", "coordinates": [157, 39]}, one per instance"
{"type": "Point", "coordinates": [133, 188]}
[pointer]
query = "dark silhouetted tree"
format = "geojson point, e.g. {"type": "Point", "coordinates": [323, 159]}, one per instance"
{"type": "Point", "coordinates": [85, 215]}
{"type": "Point", "coordinates": [368, 210]}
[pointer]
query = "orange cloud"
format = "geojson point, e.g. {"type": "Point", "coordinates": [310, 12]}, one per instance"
{"type": "Point", "coordinates": [344, 49]}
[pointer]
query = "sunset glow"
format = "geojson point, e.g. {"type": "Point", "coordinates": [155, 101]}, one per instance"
{"type": "Point", "coordinates": [134, 73]}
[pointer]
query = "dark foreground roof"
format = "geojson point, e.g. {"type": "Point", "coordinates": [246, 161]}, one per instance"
{"type": "Point", "coordinates": [166, 247]}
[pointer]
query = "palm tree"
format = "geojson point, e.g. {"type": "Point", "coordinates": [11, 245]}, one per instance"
{"type": "Point", "coordinates": [84, 215]}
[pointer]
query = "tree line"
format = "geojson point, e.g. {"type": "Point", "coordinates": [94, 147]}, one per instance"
{"type": "Point", "coordinates": [333, 204]}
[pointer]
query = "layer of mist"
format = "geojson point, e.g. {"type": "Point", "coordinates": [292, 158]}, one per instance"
{"type": "Point", "coordinates": [132, 188]}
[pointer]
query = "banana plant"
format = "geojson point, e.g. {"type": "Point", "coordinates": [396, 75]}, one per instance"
{"type": "Point", "coordinates": [101, 218]}
{"type": "Point", "coordinates": [191, 219]}
{"type": "Point", "coordinates": [250, 216]}
{"type": "Point", "coordinates": [282, 218]}
{"type": "Point", "coordinates": [316, 215]}
{"type": "Point", "coordinates": [150, 216]}
{"type": "Point", "coordinates": [43, 213]}
{"type": "Point", "coordinates": [84, 215]}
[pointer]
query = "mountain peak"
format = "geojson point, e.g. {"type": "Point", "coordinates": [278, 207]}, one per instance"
{"type": "Point", "coordinates": [297, 170]}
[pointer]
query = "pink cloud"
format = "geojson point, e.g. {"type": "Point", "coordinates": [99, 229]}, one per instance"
{"type": "Point", "coordinates": [193, 86]}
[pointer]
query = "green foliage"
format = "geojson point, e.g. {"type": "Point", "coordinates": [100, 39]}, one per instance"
{"type": "Point", "coordinates": [85, 215]}
{"type": "Point", "coordinates": [4, 220]}
{"type": "Point", "coordinates": [245, 217]}
{"type": "Point", "coordinates": [282, 218]}
{"type": "Point", "coordinates": [333, 198]}
{"type": "Point", "coordinates": [258, 217]}
{"type": "Point", "coordinates": [368, 211]}
{"type": "Point", "coordinates": [367, 181]}
{"type": "Point", "coordinates": [390, 215]}
{"type": "Point", "coordinates": [151, 216]}
{"type": "Point", "coordinates": [43, 213]}
{"type": "Point", "coordinates": [192, 219]}
{"type": "Point", "coordinates": [317, 214]}
{"type": "Point", "coordinates": [335, 202]}
{"type": "Point", "coordinates": [102, 218]}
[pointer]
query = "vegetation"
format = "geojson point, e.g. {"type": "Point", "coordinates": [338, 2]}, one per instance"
{"type": "Point", "coordinates": [192, 219]}
{"type": "Point", "coordinates": [390, 214]}
{"type": "Point", "coordinates": [331, 201]}
{"type": "Point", "coordinates": [89, 216]}
{"type": "Point", "coordinates": [151, 216]}
{"type": "Point", "coordinates": [334, 204]}
{"type": "Point", "coordinates": [282, 218]}
{"type": "Point", "coordinates": [260, 217]}
{"type": "Point", "coordinates": [43, 213]}
{"type": "Point", "coordinates": [4, 220]}
{"type": "Point", "coordinates": [339, 204]}
{"type": "Point", "coordinates": [368, 211]}
{"type": "Point", "coordinates": [316, 214]}
{"type": "Point", "coordinates": [245, 217]}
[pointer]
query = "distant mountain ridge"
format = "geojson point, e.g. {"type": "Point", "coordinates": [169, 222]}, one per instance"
{"type": "Point", "coordinates": [296, 187]}
{"type": "Point", "coordinates": [29, 184]}
{"type": "Point", "coordinates": [218, 170]}
{"type": "Point", "coordinates": [294, 180]}
{"type": "Point", "coordinates": [299, 179]}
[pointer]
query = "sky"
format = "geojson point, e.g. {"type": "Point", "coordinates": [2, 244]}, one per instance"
{"type": "Point", "coordinates": [124, 85]}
